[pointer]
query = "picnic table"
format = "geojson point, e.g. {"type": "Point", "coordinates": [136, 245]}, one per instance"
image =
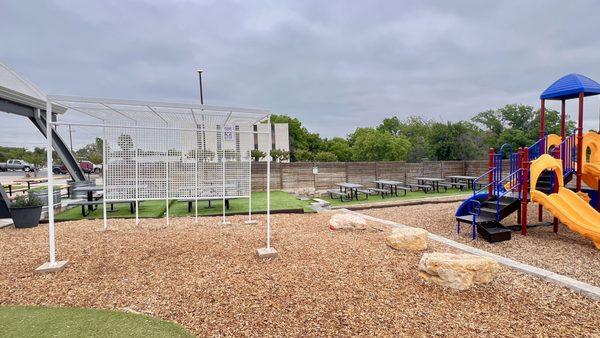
{"type": "Point", "coordinates": [456, 179]}
{"type": "Point", "coordinates": [204, 194]}
{"type": "Point", "coordinates": [90, 190]}
{"type": "Point", "coordinates": [92, 201]}
{"type": "Point", "coordinates": [434, 182]}
{"type": "Point", "coordinates": [352, 187]}
{"type": "Point", "coordinates": [12, 189]}
{"type": "Point", "coordinates": [29, 181]}
{"type": "Point", "coordinates": [393, 185]}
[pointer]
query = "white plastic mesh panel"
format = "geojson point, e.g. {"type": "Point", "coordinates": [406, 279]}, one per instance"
{"type": "Point", "coordinates": [143, 163]}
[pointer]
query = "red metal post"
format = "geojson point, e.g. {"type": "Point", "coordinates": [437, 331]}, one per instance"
{"type": "Point", "coordinates": [491, 175]}
{"type": "Point", "coordinates": [519, 179]}
{"type": "Point", "coordinates": [563, 114]}
{"type": "Point", "coordinates": [580, 142]}
{"type": "Point", "coordinates": [525, 191]}
{"type": "Point", "coordinates": [555, 186]}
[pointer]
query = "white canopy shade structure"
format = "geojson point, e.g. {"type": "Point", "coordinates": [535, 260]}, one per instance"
{"type": "Point", "coordinates": [168, 151]}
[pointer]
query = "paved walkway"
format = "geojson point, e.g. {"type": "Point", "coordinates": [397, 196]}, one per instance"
{"type": "Point", "coordinates": [573, 284]}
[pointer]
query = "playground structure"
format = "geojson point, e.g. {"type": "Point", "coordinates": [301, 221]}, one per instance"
{"type": "Point", "coordinates": [539, 173]}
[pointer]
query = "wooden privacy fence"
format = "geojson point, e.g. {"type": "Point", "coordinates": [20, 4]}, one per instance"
{"type": "Point", "coordinates": [299, 175]}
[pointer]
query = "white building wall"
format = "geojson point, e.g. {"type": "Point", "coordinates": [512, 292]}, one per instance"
{"type": "Point", "coordinates": [248, 141]}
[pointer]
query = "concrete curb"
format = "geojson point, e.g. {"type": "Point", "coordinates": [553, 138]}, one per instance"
{"type": "Point", "coordinates": [578, 286]}
{"type": "Point", "coordinates": [414, 201]}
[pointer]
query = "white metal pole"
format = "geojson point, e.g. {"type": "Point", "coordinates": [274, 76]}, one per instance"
{"type": "Point", "coordinates": [269, 185]}
{"type": "Point", "coordinates": [137, 179]}
{"type": "Point", "coordinates": [167, 172]}
{"type": "Point", "coordinates": [223, 170]}
{"type": "Point", "coordinates": [104, 171]}
{"type": "Point", "coordinates": [50, 183]}
{"type": "Point", "coordinates": [196, 178]}
{"type": "Point", "coordinates": [250, 191]}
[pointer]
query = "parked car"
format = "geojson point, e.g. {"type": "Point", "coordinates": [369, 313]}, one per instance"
{"type": "Point", "coordinates": [16, 165]}
{"type": "Point", "coordinates": [57, 169]}
{"type": "Point", "coordinates": [97, 168]}
{"type": "Point", "coordinates": [86, 166]}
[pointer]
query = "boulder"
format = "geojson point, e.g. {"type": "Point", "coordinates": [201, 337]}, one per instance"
{"type": "Point", "coordinates": [347, 222]}
{"type": "Point", "coordinates": [408, 238]}
{"type": "Point", "coordinates": [457, 271]}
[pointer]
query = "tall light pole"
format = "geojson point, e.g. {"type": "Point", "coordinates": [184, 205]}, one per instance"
{"type": "Point", "coordinates": [200, 80]}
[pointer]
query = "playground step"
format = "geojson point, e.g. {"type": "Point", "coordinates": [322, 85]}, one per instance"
{"type": "Point", "coordinates": [469, 219]}
{"type": "Point", "coordinates": [493, 232]}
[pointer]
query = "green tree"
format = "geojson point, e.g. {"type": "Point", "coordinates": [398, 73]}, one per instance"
{"type": "Point", "coordinates": [304, 155]}
{"type": "Point", "coordinates": [325, 156]}
{"type": "Point", "coordinates": [279, 155]}
{"type": "Point", "coordinates": [370, 144]}
{"type": "Point", "coordinates": [257, 154]}
{"type": "Point", "coordinates": [125, 142]}
{"type": "Point", "coordinates": [455, 141]}
{"type": "Point", "coordinates": [340, 148]}
{"type": "Point", "coordinates": [517, 125]}
{"type": "Point", "coordinates": [391, 125]}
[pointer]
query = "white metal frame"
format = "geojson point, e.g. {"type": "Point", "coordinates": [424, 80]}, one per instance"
{"type": "Point", "coordinates": [161, 119]}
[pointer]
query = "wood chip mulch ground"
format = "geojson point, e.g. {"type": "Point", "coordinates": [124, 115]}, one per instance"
{"type": "Point", "coordinates": [325, 283]}
{"type": "Point", "coordinates": [566, 252]}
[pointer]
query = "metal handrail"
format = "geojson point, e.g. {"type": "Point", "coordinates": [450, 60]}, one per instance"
{"type": "Point", "coordinates": [474, 210]}
{"type": "Point", "coordinates": [518, 180]}
{"type": "Point", "coordinates": [481, 176]}
{"type": "Point", "coordinates": [535, 149]}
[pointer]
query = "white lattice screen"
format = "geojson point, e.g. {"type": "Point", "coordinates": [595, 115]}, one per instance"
{"type": "Point", "coordinates": [167, 151]}
{"type": "Point", "coordinates": [146, 164]}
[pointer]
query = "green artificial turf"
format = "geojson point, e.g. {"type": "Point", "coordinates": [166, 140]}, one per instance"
{"type": "Point", "coordinates": [153, 209]}
{"type": "Point", "coordinates": [29, 321]}
{"type": "Point", "coordinates": [148, 209]}
{"type": "Point", "coordinates": [280, 200]}
{"type": "Point", "coordinates": [409, 196]}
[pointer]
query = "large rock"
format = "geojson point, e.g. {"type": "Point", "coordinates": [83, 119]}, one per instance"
{"type": "Point", "coordinates": [408, 238]}
{"type": "Point", "coordinates": [347, 222]}
{"type": "Point", "coordinates": [458, 271]}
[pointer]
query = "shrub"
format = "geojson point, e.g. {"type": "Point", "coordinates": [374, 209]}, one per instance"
{"type": "Point", "coordinates": [29, 200]}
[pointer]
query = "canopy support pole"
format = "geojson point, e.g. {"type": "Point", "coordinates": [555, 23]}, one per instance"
{"type": "Point", "coordinates": [52, 265]}
{"type": "Point", "coordinates": [563, 114]}
{"type": "Point", "coordinates": [268, 252]}
{"type": "Point", "coordinates": [580, 142]}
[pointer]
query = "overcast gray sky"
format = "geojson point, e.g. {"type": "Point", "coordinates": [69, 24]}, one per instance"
{"type": "Point", "coordinates": [335, 65]}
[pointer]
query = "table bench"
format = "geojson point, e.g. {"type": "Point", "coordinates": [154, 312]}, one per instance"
{"type": "Point", "coordinates": [86, 204]}
{"type": "Point", "coordinates": [423, 187]}
{"type": "Point", "coordinates": [190, 200]}
{"type": "Point", "coordinates": [460, 185]}
{"type": "Point", "coordinates": [337, 193]}
{"type": "Point", "coordinates": [372, 191]}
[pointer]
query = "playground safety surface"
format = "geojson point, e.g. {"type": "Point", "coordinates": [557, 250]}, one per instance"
{"type": "Point", "coordinates": [566, 252]}
{"type": "Point", "coordinates": [326, 283]}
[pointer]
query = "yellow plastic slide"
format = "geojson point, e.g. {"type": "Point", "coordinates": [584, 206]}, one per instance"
{"type": "Point", "coordinates": [591, 166]}
{"type": "Point", "coordinates": [565, 205]}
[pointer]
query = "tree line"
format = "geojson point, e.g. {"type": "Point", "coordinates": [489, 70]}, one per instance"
{"type": "Point", "coordinates": [412, 139]}
{"type": "Point", "coordinates": [415, 138]}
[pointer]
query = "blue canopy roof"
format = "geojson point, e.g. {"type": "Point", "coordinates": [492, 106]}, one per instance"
{"type": "Point", "coordinates": [569, 87]}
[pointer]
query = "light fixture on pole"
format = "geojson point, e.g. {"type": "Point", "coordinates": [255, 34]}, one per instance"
{"type": "Point", "coordinates": [200, 80]}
